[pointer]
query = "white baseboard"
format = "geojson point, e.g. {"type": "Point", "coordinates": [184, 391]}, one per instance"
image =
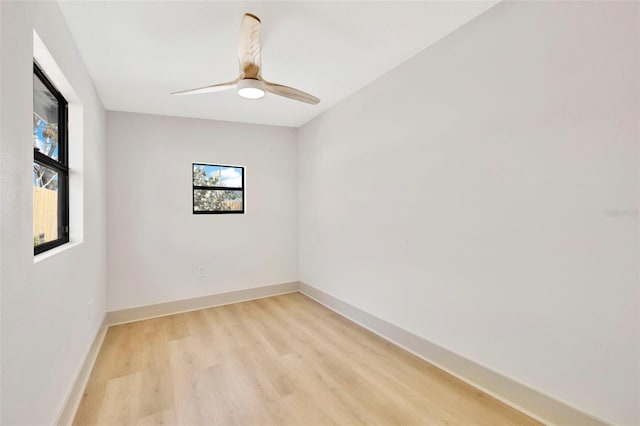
{"type": "Point", "coordinates": [169, 308]}
{"type": "Point", "coordinates": [520, 396]}
{"type": "Point", "coordinates": [72, 402]}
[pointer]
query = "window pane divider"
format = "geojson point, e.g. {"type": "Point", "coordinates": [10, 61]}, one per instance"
{"type": "Point", "coordinates": [39, 157]}
{"type": "Point", "coordinates": [217, 188]}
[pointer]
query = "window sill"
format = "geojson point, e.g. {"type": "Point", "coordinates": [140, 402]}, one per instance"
{"type": "Point", "coordinates": [54, 251]}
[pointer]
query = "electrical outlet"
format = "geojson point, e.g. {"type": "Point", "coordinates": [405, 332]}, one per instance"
{"type": "Point", "coordinates": [201, 273]}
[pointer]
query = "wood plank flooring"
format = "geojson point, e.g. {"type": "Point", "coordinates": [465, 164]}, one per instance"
{"type": "Point", "coordinates": [284, 360]}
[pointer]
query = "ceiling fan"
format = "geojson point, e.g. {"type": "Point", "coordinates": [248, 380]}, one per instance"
{"type": "Point", "coordinates": [250, 83]}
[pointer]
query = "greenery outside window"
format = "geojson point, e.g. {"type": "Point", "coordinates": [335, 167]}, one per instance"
{"type": "Point", "coordinates": [50, 174]}
{"type": "Point", "coordinates": [217, 189]}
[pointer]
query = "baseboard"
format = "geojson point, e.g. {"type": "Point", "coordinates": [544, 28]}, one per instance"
{"type": "Point", "coordinates": [520, 396]}
{"type": "Point", "coordinates": [169, 308]}
{"type": "Point", "coordinates": [72, 402]}
{"type": "Point", "coordinates": [530, 401]}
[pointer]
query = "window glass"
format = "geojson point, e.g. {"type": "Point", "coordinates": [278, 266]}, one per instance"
{"type": "Point", "coordinates": [45, 120]}
{"type": "Point", "coordinates": [45, 204]}
{"type": "Point", "coordinates": [217, 188]}
{"type": "Point", "coordinates": [217, 176]}
{"type": "Point", "coordinates": [217, 200]}
{"type": "Point", "coordinates": [50, 174]}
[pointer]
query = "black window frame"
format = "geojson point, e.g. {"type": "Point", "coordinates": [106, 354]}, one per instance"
{"type": "Point", "coordinates": [61, 165]}
{"type": "Point", "coordinates": [223, 188]}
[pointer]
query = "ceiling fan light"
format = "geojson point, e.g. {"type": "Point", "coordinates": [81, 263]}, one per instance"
{"type": "Point", "coordinates": [251, 93]}
{"type": "Point", "coordinates": [250, 89]}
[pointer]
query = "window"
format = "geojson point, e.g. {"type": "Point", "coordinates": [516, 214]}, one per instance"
{"type": "Point", "coordinates": [217, 189]}
{"type": "Point", "coordinates": [50, 168]}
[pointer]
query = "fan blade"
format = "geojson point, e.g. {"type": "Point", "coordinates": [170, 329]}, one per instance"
{"type": "Point", "coordinates": [290, 92]}
{"type": "Point", "coordinates": [249, 49]}
{"type": "Point", "coordinates": [208, 89]}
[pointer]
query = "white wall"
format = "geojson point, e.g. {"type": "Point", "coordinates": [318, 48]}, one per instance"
{"type": "Point", "coordinates": [484, 195]}
{"type": "Point", "coordinates": [156, 244]}
{"type": "Point", "coordinates": [47, 323]}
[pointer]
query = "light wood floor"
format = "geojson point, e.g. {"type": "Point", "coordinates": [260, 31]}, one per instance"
{"type": "Point", "coordinates": [284, 360]}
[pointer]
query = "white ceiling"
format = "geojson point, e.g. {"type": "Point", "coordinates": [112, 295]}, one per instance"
{"type": "Point", "coordinates": [139, 51]}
